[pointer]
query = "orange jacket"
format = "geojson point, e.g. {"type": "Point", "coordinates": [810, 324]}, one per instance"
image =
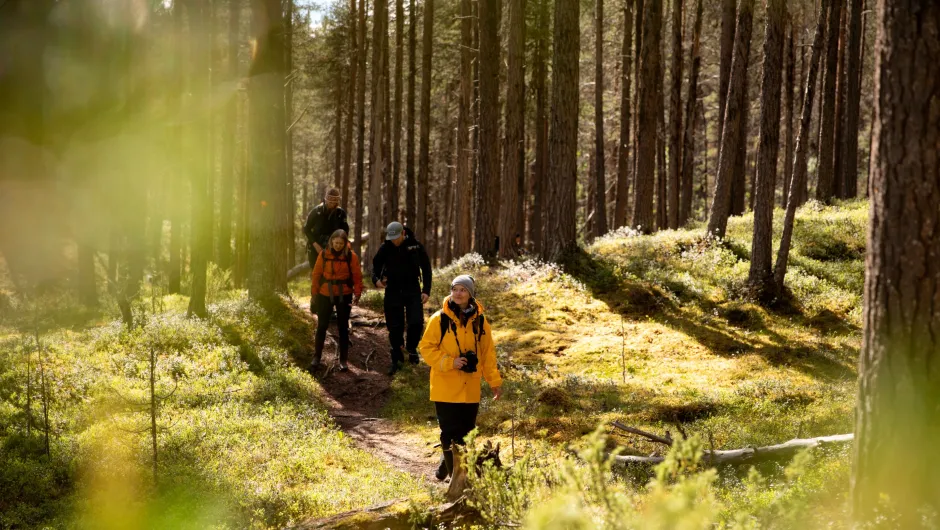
{"type": "Point", "coordinates": [332, 272]}
{"type": "Point", "coordinates": [447, 383]}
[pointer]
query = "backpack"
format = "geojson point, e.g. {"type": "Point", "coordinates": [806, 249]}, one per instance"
{"type": "Point", "coordinates": [348, 260]}
{"type": "Point", "coordinates": [448, 323]}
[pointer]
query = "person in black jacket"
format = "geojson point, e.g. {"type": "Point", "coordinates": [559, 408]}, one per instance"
{"type": "Point", "coordinates": [324, 219]}
{"type": "Point", "coordinates": [398, 267]}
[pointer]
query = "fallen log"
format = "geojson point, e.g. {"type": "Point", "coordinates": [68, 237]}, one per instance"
{"type": "Point", "coordinates": [397, 515]}
{"type": "Point", "coordinates": [749, 454]}
{"type": "Point", "coordinates": [298, 270]}
{"type": "Point", "coordinates": [666, 441]}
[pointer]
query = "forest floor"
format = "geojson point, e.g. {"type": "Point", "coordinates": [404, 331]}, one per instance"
{"type": "Point", "coordinates": [355, 398]}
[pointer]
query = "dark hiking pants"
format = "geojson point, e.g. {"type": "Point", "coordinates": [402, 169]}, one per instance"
{"type": "Point", "coordinates": [402, 310]}
{"type": "Point", "coordinates": [456, 421]}
{"type": "Point", "coordinates": [324, 309]}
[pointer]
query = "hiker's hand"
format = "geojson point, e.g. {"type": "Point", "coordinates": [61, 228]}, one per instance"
{"type": "Point", "coordinates": [424, 298]}
{"type": "Point", "coordinates": [380, 284]}
{"type": "Point", "coordinates": [497, 392]}
{"type": "Point", "coordinates": [460, 362]}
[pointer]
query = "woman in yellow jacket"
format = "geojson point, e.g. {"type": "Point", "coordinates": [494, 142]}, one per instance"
{"type": "Point", "coordinates": [458, 344]}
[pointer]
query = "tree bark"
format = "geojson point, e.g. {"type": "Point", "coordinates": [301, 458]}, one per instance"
{"type": "Point", "coordinates": [732, 131]}
{"type": "Point", "coordinates": [410, 192]}
{"type": "Point", "coordinates": [623, 149]}
{"type": "Point", "coordinates": [488, 199]}
{"type": "Point", "coordinates": [599, 221]}
{"type": "Point", "coordinates": [201, 169]}
{"type": "Point", "coordinates": [688, 151]}
{"type": "Point", "coordinates": [647, 131]}
{"type": "Point", "coordinates": [675, 116]}
{"type": "Point", "coordinates": [511, 199]}
{"type": "Point", "coordinates": [360, 128]}
{"type": "Point", "coordinates": [853, 95]}
{"type": "Point", "coordinates": [561, 200]}
{"type": "Point", "coordinates": [340, 91]}
{"type": "Point", "coordinates": [899, 380]}
{"type": "Point", "coordinates": [790, 68]}
{"type": "Point", "coordinates": [378, 164]}
{"type": "Point", "coordinates": [798, 179]}
{"type": "Point", "coordinates": [541, 127]}
{"type": "Point", "coordinates": [760, 274]}
{"type": "Point", "coordinates": [827, 129]}
{"type": "Point", "coordinates": [424, 157]}
{"type": "Point", "coordinates": [728, 12]}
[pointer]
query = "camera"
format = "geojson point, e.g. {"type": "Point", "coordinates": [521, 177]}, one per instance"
{"type": "Point", "coordinates": [472, 360]}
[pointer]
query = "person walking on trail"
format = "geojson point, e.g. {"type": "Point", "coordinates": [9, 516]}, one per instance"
{"type": "Point", "coordinates": [324, 219]}
{"type": "Point", "coordinates": [336, 282]}
{"type": "Point", "coordinates": [458, 344]}
{"type": "Point", "coordinates": [398, 267]}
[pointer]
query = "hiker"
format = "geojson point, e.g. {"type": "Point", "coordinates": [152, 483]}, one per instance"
{"type": "Point", "coordinates": [336, 282]}
{"type": "Point", "coordinates": [458, 344]}
{"type": "Point", "coordinates": [322, 221]}
{"type": "Point", "coordinates": [398, 267]}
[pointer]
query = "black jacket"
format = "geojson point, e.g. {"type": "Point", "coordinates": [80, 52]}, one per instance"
{"type": "Point", "coordinates": [321, 223]}
{"type": "Point", "coordinates": [403, 266]}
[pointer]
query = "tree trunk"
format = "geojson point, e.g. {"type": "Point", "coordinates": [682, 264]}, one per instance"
{"type": "Point", "coordinates": [360, 127]}
{"type": "Point", "coordinates": [798, 179]}
{"type": "Point", "coordinates": [899, 382]}
{"type": "Point", "coordinates": [739, 173]}
{"type": "Point", "coordinates": [599, 205]}
{"type": "Point", "coordinates": [688, 150]}
{"type": "Point", "coordinates": [425, 147]}
{"type": "Point", "coordinates": [290, 203]}
{"type": "Point", "coordinates": [539, 74]}
{"type": "Point", "coordinates": [266, 179]}
{"type": "Point", "coordinates": [853, 94]}
{"type": "Point", "coordinates": [623, 149]}
{"type": "Point", "coordinates": [510, 199]}
{"type": "Point", "coordinates": [827, 129]}
{"type": "Point", "coordinates": [760, 274]}
{"type": "Point", "coordinates": [488, 199]}
{"type": "Point", "coordinates": [464, 197]}
{"type": "Point", "coordinates": [647, 133]}
{"type": "Point", "coordinates": [340, 90]}
{"type": "Point", "coordinates": [377, 123]}
{"type": "Point", "coordinates": [563, 138]}
{"type": "Point", "coordinates": [790, 68]}
{"type": "Point", "coordinates": [410, 205]}
{"type": "Point", "coordinates": [675, 115]}
{"type": "Point", "coordinates": [732, 131]}
{"type": "Point", "coordinates": [228, 175]}
{"type": "Point", "coordinates": [640, 12]}
{"type": "Point", "coordinates": [395, 187]}
{"type": "Point", "coordinates": [176, 209]}
{"type": "Point", "coordinates": [728, 21]}
{"type": "Point", "coordinates": [201, 169]}
{"type": "Point", "coordinates": [353, 70]}
{"type": "Point", "coordinates": [839, 133]}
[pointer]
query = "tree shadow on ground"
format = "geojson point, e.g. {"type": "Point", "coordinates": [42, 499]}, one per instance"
{"type": "Point", "coordinates": [639, 301]}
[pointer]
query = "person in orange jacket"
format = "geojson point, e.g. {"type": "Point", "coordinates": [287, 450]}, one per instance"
{"type": "Point", "coordinates": [336, 281]}
{"type": "Point", "coordinates": [458, 344]}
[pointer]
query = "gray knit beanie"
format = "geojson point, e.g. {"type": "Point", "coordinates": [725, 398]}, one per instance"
{"type": "Point", "coordinates": [466, 281]}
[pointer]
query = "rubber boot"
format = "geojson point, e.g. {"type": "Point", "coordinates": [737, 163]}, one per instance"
{"type": "Point", "coordinates": [446, 467]}
{"type": "Point", "coordinates": [413, 357]}
{"type": "Point", "coordinates": [317, 354]}
{"type": "Point", "coordinates": [343, 356]}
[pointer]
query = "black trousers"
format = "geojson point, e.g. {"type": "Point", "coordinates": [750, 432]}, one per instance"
{"type": "Point", "coordinates": [456, 421]}
{"type": "Point", "coordinates": [401, 310]}
{"type": "Point", "coordinates": [324, 310]}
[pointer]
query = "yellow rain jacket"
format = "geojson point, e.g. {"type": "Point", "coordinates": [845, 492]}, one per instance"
{"type": "Point", "coordinates": [449, 384]}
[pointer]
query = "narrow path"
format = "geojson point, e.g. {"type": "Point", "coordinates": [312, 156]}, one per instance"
{"type": "Point", "coordinates": [355, 398]}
